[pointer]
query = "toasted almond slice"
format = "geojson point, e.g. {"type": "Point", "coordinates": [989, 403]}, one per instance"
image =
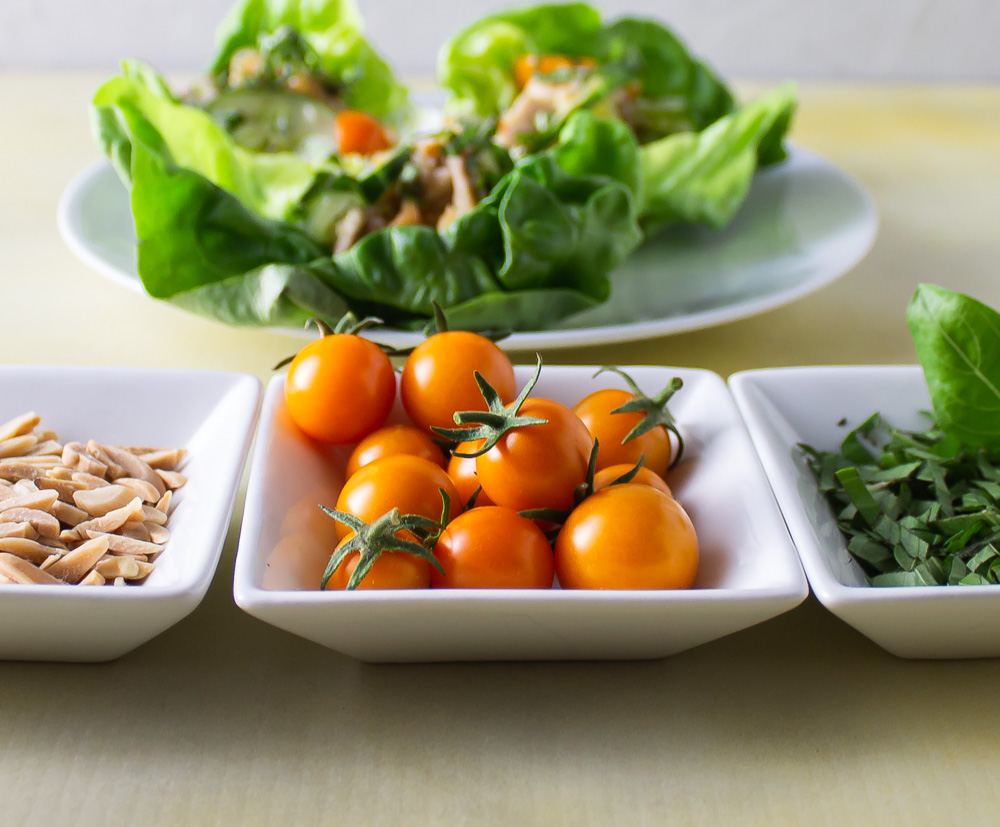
{"type": "Point", "coordinates": [153, 515]}
{"type": "Point", "coordinates": [135, 467]}
{"type": "Point", "coordinates": [44, 523]}
{"type": "Point", "coordinates": [19, 425]}
{"type": "Point", "coordinates": [25, 549]}
{"type": "Point", "coordinates": [157, 533]}
{"type": "Point", "coordinates": [137, 531]}
{"type": "Point", "coordinates": [75, 456]}
{"type": "Point", "coordinates": [17, 446]}
{"type": "Point", "coordinates": [60, 472]}
{"type": "Point", "coordinates": [145, 569]}
{"type": "Point", "coordinates": [120, 581]}
{"type": "Point", "coordinates": [89, 480]}
{"type": "Point", "coordinates": [139, 450]}
{"type": "Point", "coordinates": [111, 521]}
{"type": "Point", "coordinates": [117, 567]}
{"type": "Point", "coordinates": [172, 479]}
{"type": "Point", "coordinates": [96, 450]}
{"type": "Point", "coordinates": [47, 448]}
{"type": "Point", "coordinates": [46, 435]}
{"type": "Point", "coordinates": [118, 544]}
{"type": "Point", "coordinates": [41, 500]}
{"type": "Point", "coordinates": [65, 488]}
{"type": "Point", "coordinates": [49, 561]}
{"type": "Point", "coordinates": [17, 469]}
{"type": "Point", "coordinates": [74, 565]}
{"type": "Point", "coordinates": [21, 571]}
{"type": "Point", "coordinates": [99, 501]}
{"type": "Point", "coordinates": [54, 543]}
{"type": "Point", "coordinates": [69, 514]}
{"type": "Point", "coordinates": [44, 461]}
{"type": "Point", "coordinates": [93, 578]}
{"type": "Point", "coordinates": [163, 504]}
{"type": "Point", "coordinates": [18, 530]}
{"type": "Point", "coordinates": [144, 489]}
{"type": "Point", "coordinates": [22, 487]}
{"type": "Point", "coordinates": [166, 459]}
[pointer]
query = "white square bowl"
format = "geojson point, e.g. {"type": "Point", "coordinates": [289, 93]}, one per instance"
{"type": "Point", "coordinates": [211, 414]}
{"type": "Point", "coordinates": [748, 572]}
{"type": "Point", "coordinates": [787, 406]}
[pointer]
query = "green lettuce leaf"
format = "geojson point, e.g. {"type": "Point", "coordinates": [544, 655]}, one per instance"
{"type": "Point", "coordinates": [958, 344]}
{"type": "Point", "coordinates": [676, 92]}
{"type": "Point", "coordinates": [703, 177]}
{"type": "Point", "coordinates": [334, 30]}
{"type": "Point", "coordinates": [539, 247]}
{"type": "Point", "coordinates": [588, 145]}
{"type": "Point", "coordinates": [136, 107]}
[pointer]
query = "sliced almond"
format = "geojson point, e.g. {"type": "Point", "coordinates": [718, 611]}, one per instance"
{"type": "Point", "coordinates": [137, 531]}
{"type": "Point", "coordinates": [21, 571]}
{"type": "Point", "coordinates": [172, 479]}
{"type": "Point", "coordinates": [111, 521]}
{"type": "Point", "coordinates": [145, 569]}
{"type": "Point", "coordinates": [65, 488]}
{"type": "Point", "coordinates": [47, 435]}
{"type": "Point", "coordinates": [157, 533]}
{"type": "Point", "coordinates": [120, 581]}
{"type": "Point", "coordinates": [54, 543]}
{"type": "Point", "coordinates": [49, 561]}
{"type": "Point", "coordinates": [25, 549]}
{"type": "Point", "coordinates": [60, 472]}
{"type": "Point", "coordinates": [19, 425]}
{"type": "Point", "coordinates": [17, 446]}
{"type": "Point", "coordinates": [163, 504]}
{"type": "Point", "coordinates": [153, 515]}
{"type": "Point", "coordinates": [93, 578]}
{"type": "Point", "coordinates": [135, 467]}
{"type": "Point", "coordinates": [18, 530]}
{"type": "Point", "coordinates": [69, 514]}
{"type": "Point", "coordinates": [90, 480]}
{"type": "Point", "coordinates": [74, 565]}
{"type": "Point", "coordinates": [114, 567]}
{"type": "Point", "coordinates": [99, 501]}
{"type": "Point", "coordinates": [48, 448]}
{"type": "Point", "coordinates": [41, 500]}
{"type": "Point", "coordinates": [76, 456]}
{"type": "Point", "coordinates": [44, 523]}
{"type": "Point", "coordinates": [118, 544]}
{"type": "Point", "coordinates": [17, 469]}
{"type": "Point", "coordinates": [22, 487]}
{"type": "Point", "coordinates": [144, 489]}
{"type": "Point", "coordinates": [166, 459]}
{"type": "Point", "coordinates": [96, 450]}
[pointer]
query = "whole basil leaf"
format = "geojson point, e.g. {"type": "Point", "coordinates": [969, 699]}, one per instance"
{"type": "Point", "coordinates": [958, 344]}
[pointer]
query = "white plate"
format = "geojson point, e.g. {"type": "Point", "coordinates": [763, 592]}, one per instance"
{"type": "Point", "coordinates": [805, 222]}
{"type": "Point", "coordinates": [212, 415]}
{"type": "Point", "coordinates": [748, 571]}
{"type": "Point", "coordinates": [783, 407]}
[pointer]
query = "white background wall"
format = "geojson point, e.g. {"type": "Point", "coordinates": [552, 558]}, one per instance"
{"type": "Point", "coordinates": [872, 39]}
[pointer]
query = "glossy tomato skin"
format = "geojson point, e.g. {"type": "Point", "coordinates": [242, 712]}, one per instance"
{"type": "Point", "coordinates": [537, 466]}
{"type": "Point", "coordinates": [611, 429]}
{"type": "Point", "coordinates": [627, 537]}
{"type": "Point", "coordinates": [402, 481]}
{"type": "Point", "coordinates": [392, 570]}
{"type": "Point", "coordinates": [391, 440]}
{"type": "Point", "coordinates": [462, 471]}
{"type": "Point", "coordinates": [606, 476]}
{"type": "Point", "coordinates": [493, 548]}
{"type": "Point", "coordinates": [438, 377]}
{"type": "Point", "coordinates": [340, 388]}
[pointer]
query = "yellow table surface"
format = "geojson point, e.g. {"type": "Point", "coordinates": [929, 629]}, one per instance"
{"type": "Point", "coordinates": [223, 719]}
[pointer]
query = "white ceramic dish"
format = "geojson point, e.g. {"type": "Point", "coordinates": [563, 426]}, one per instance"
{"type": "Point", "coordinates": [784, 407]}
{"type": "Point", "coordinates": [211, 414]}
{"type": "Point", "coordinates": [748, 571]}
{"type": "Point", "coordinates": [805, 222]}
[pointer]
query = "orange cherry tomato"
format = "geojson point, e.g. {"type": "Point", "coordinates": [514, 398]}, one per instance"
{"type": "Point", "coordinates": [462, 471]}
{"type": "Point", "coordinates": [391, 441]}
{"type": "Point", "coordinates": [438, 377]}
{"type": "Point", "coordinates": [627, 537]}
{"type": "Point", "coordinates": [527, 65]}
{"type": "Point", "coordinates": [493, 548]}
{"type": "Point", "coordinates": [610, 429]}
{"type": "Point", "coordinates": [359, 133]}
{"type": "Point", "coordinates": [402, 481]}
{"type": "Point", "coordinates": [392, 570]}
{"type": "Point", "coordinates": [537, 466]}
{"type": "Point", "coordinates": [606, 476]}
{"type": "Point", "coordinates": [340, 388]}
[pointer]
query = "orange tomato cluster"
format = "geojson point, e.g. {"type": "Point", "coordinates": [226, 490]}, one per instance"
{"type": "Point", "coordinates": [483, 511]}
